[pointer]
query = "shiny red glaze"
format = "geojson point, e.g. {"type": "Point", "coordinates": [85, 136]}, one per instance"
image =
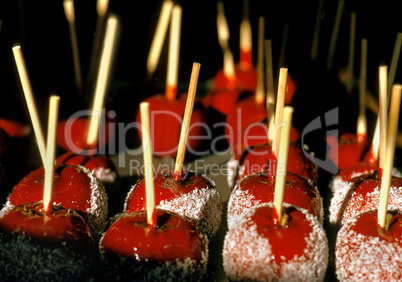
{"type": "Point", "coordinates": [173, 238]}
{"type": "Point", "coordinates": [363, 186]}
{"type": "Point", "coordinates": [256, 159]}
{"type": "Point", "coordinates": [290, 90]}
{"type": "Point", "coordinates": [166, 118]}
{"type": "Point", "coordinates": [223, 101]}
{"type": "Point", "coordinates": [246, 79]}
{"type": "Point", "coordinates": [72, 134]}
{"type": "Point", "coordinates": [14, 128]}
{"type": "Point", "coordinates": [366, 225]}
{"type": "Point", "coordinates": [349, 151]}
{"type": "Point", "coordinates": [287, 241]}
{"type": "Point", "coordinates": [60, 226]}
{"type": "Point", "coordinates": [166, 188]}
{"type": "Point", "coordinates": [71, 188]}
{"type": "Point", "coordinates": [361, 167]}
{"type": "Point", "coordinates": [297, 191]}
{"type": "Point", "coordinates": [91, 162]}
{"type": "Point", "coordinates": [247, 125]}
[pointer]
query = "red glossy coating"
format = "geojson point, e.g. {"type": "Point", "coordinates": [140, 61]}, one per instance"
{"type": "Point", "coordinates": [297, 191]}
{"type": "Point", "coordinates": [349, 151]}
{"type": "Point", "coordinates": [286, 241]}
{"type": "Point", "coordinates": [60, 226]}
{"type": "Point", "coordinates": [358, 168]}
{"type": "Point", "coordinates": [71, 188]}
{"type": "Point", "coordinates": [174, 237]}
{"type": "Point", "coordinates": [14, 128]}
{"type": "Point", "coordinates": [256, 159]}
{"type": "Point", "coordinates": [72, 133]}
{"type": "Point", "coordinates": [166, 118]}
{"type": "Point", "coordinates": [247, 125]}
{"type": "Point", "coordinates": [166, 188]}
{"type": "Point", "coordinates": [91, 162]}
{"type": "Point", "coordinates": [246, 79]}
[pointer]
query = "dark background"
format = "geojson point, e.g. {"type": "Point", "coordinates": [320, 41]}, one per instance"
{"type": "Point", "coordinates": [42, 30]}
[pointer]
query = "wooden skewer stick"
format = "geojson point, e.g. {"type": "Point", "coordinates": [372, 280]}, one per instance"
{"type": "Point", "coordinates": [383, 114]}
{"type": "Point", "coordinates": [70, 15]}
{"type": "Point", "coordinates": [280, 177]}
{"type": "Point", "coordinates": [389, 156]}
{"type": "Point", "coordinates": [246, 42]}
{"type": "Point", "coordinates": [334, 35]}
{"type": "Point", "coordinates": [361, 119]}
{"type": "Point", "coordinates": [102, 80]}
{"type": "Point", "coordinates": [280, 103]}
{"type": "Point", "coordinates": [270, 99]}
{"type": "Point", "coordinates": [174, 51]}
{"type": "Point", "coordinates": [27, 89]}
{"type": "Point", "coordinates": [316, 36]}
{"type": "Point", "coordinates": [222, 26]}
{"type": "Point", "coordinates": [159, 37]}
{"type": "Point", "coordinates": [351, 58]}
{"type": "Point", "coordinates": [101, 9]}
{"type": "Point", "coordinates": [148, 166]}
{"type": "Point", "coordinates": [54, 102]}
{"type": "Point", "coordinates": [260, 92]}
{"type": "Point", "coordinates": [394, 63]}
{"type": "Point", "coordinates": [185, 128]}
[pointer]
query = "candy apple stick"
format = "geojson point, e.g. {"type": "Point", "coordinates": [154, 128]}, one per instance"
{"type": "Point", "coordinates": [280, 103]}
{"type": "Point", "coordinates": [148, 167]}
{"type": "Point", "coordinates": [174, 51]}
{"type": "Point", "coordinates": [185, 128]}
{"type": "Point", "coordinates": [361, 119]}
{"type": "Point", "coordinates": [222, 26]}
{"type": "Point", "coordinates": [316, 36]}
{"type": "Point", "coordinates": [27, 89]}
{"type": "Point", "coordinates": [389, 156]}
{"type": "Point", "coordinates": [259, 93]}
{"type": "Point", "coordinates": [351, 58]}
{"type": "Point", "coordinates": [51, 151]}
{"type": "Point", "coordinates": [270, 99]}
{"type": "Point", "coordinates": [101, 9]}
{"type": "Point", "coordinates": [394, 62]}
{"type": "Point", "coordinates": [334, 35]}
{"type": "Point", "coordinates": [246, 43]}
{"type": "Point", "coordinates": [70, 15]}
{"type": "Point", "coordinates": [383, 114]}
{"type": "Point", "coordinates": [229, 67]}
{"type": "Point", "coordinates": [280, 177]}
{"type": "Point", "coordinates": [103, 75]}
{"type": "Point", "coordinates": [159, 37]}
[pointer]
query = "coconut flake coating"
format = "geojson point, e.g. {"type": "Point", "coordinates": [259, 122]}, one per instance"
{"type": "Point", "coordinates": [133, 267]}
{"type": "Point", "coordinates": [202, 204]}
{"type": "Point", "coordinates": [245, 195]}
{"type": "Point", "coordinates": [352, 198]}
{"type": "Point", "coordinates": [364, 257]}
{"type": "Point", "coordinates": [249, 256]}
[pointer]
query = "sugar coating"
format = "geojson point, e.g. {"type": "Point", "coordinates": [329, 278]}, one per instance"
{"type": "Point", "coordinates": [124, 269]}
{"type": "Point", "coordinates": [248, 256]}
{"type": "Point", "coordinates": [105, 175]}
{"type": "Point", "coordinates": [202, 205]}
{"type": "Point", "coordinates": [240, 200]}
{"type": "Point", "coordinates": [338, 181]}
{"type": "Point", "coordinates": [365, 258]}
{"type": "Point", "coordinates": [359, 203]}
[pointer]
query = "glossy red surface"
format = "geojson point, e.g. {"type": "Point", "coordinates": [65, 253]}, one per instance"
{"type": "Point", "coordinates": [166, 188]}
{"type": "Point", "coordinates": [297, 191]}
{"type": "Point", "coordinates": [173, 238]}
{"type": "Point", "coordinates": [60, 226]}
{"type": "Point", "coordinates": [71, 188]}
{"type": "Point", "coordinates": [166, 118]}
{"type": "Point", "coordinates": [91, 162]}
